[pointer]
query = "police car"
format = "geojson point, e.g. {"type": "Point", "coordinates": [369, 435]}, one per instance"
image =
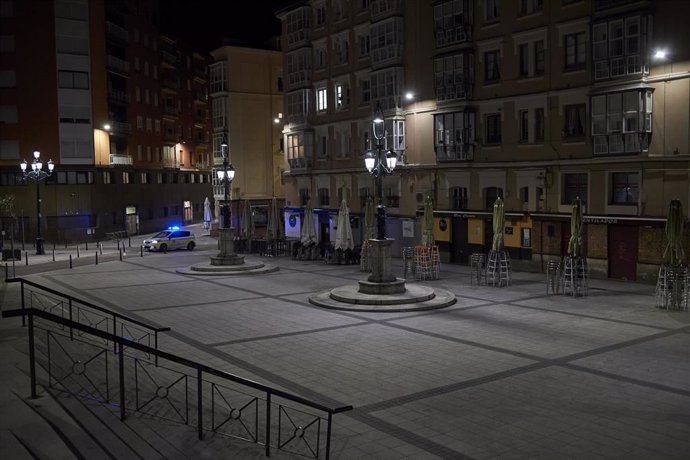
{"type": "Point", "coordinates": [172, 238]}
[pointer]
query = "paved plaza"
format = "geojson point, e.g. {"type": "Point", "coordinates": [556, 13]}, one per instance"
{"type": "Point", "coordinates": [506, 372]}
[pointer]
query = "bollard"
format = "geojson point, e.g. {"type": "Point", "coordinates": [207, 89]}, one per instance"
{"type": "Point", "coordinates": [118, 244]}
{"type": "Point", "coordinates": [101, 246]}
{"type": "Point", "coordinates": [53, 253]}
{"type": "Point", "coordinates": [7, 271]}
{"type": "Point", "coordinates": [70, 261]}
{"type": "Point", "coordinates": [120, 250]}
{"type": "Point", "coordinates": [142, 250]}
{"type": "Point", "coordinates": [129, 241]}
{"type": "Point", "coordinates": [77, 251]}
{"type": "Point", "coordinates": [26, 256]}
{"type": "Point", "coordinates": [53, 245]}
{"type": "Point", "coordinates": [87, 245]}
{"type": "Point", "coordinates": [96, 257]}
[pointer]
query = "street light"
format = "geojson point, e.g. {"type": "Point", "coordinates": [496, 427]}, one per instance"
{"type": "Point", "coordinates": [226, 175]}
{"type": "Point", "coordinates": [37, 174]}
{"type": "Point", "coordinates": [380, 163]}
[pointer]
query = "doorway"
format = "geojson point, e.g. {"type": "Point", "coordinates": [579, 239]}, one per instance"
{"type": "Point", "coordinates": [131, 220]}
{"type": "Point", "coordinates": [459, 248]}
{"type": "Point", "coordinates": [622, 249]}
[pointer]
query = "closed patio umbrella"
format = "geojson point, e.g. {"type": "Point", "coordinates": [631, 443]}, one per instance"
{"type": "Point", "coordinates": [369, 219]}
{"type": "Point", "coordinates": [674, 254]}
{"type": "Point", "coordinates": [247, 229]}
{"type": "Point", "coordinates": [274, 223]}
{"type": "Point", "coordinates": [498, 224]}
{"type": "Point", "coordinates": [428, 222]}
{"type": "Point", "coordinates": [208, 217]}
{"type": "Point", "coordinates": [343, 239]}
{"type": "Point", "coordinates": [307, 233]}
{"type": "Point", "coordinates": [575, 242]}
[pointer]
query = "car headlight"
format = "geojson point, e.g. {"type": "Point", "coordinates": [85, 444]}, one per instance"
{"type": "Point", "coordinates": [154, 241]}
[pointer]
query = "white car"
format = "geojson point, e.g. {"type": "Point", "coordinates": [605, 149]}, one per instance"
{"type": "Point", "coordinates": [172, 238]}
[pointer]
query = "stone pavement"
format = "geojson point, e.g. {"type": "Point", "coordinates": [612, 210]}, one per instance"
{"type": "Point", "coordinates": [506, 372]}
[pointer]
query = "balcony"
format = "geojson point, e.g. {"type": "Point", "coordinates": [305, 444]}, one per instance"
{"type": "Point", "coordinates": [200, 97]}
{"type": "Point", "coordinates": [381, 9]}
{"type": "Point", "coordinates": [118, 128]}
{"type": "Point", "coordinates": [299, 163]}
{"type": "Point", "coordinates": [454, 153]}
{"type": "Point", "coordinates": [120, 159]}
{"type": "Point", "coordinates": [117, 65]}
{"type": "Point", "coordinates": [170, 111]}
{"type": "Point", "coordinates": [169, 57]}
{"type": "Point", "coordinates": [298, 38]}
{"type": "Point", "coordinates": [171, 84]}
{"type": "Point", "coordinates": [170, 136]}
{"type": "Point", "coordinates": [118, 96]}
{"type": "Point", "coordinates": [116, 32]}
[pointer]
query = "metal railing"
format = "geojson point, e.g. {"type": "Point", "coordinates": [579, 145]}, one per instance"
{"type": "Point", "coordinates": [36, 296]}
{"type": "Point", "coordinates": [230, 403]}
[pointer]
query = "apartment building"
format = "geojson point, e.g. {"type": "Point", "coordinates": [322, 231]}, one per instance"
{"type": "Point", "coordinates": [538, 102]}
{"type": "Point", "coordinates": [246, 88]}
{"type": "Point", "coordinates": [120, 109]}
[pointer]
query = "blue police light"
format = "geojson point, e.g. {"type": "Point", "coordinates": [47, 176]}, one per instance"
{"type": "Point", "coordinates": [173, 227]}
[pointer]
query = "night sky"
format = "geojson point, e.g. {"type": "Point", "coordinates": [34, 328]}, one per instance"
{"type": "Point", "coordinates": [206, 23]}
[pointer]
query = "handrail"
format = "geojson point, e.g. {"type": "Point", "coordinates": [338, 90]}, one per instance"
{"type": "Point", "coordinates": [86, 303]}
{"type": "Point", "coordinates": [174, 358]}
{"type": "Point", "coordinates": [120, 342]}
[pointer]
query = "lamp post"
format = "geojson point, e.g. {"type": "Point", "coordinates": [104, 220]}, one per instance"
{"type": "Point", "coordinates": [37, 173]}
{"type": "Point", "coordinates": [226, 175]}
{"type": "Point", "coordinates": [379, 164]}
{"type": "Point", "coordinates": [227, 254]}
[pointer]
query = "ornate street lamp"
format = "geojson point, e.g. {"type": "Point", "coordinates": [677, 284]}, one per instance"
{"type": "Point", "coordinates": [226, 175]}
{"type": "Point", "coordinates": [380, 163]}
{"type": "Point", "coordinates": [37, 174]}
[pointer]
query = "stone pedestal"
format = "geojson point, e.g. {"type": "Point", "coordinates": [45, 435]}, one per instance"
{"type": "Point", "coordinates": [381, 281]}
{"type": "Point", "coordinates": [227, 255]}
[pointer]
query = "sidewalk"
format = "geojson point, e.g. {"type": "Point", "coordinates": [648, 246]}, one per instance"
{"type": "Point", "coordinates": [504, 373]}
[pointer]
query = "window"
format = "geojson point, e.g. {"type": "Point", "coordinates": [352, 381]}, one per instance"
{"type": "Point", "coordinates": [491, 193]}
{"type": "Point", "coordinates": [539, 57]}
{"type": "Point", "coordinates": [620, 122]}
{"type": "Point", "coordinates": [321, 100]}
{"type": "Point", "coordinates": [624, 188]}
{"type": "Point", "coordinates": [574, 186]}
{"type": "Point", "coordinates": [451, 77]}
{"type": "Point", "coordinates": [218, 107]}
{"type": "Point", "coordinates": [451, 22]}
{"type": "Point", "coordinates": [319, 56]}
{"type": "Point", "coordinates": [8, 114]}
{"type": "Point", "coordinates": [575, 54]}
{"type": "Point", "coordinates": [6, 44]}
{"type": "Point", "coordinates": [574, 121]}
{"type": "Point", "coordinates": [386, 40]}
{"type": "Point", "coordinates": [140, 122]}
{"type": "Point", "coordinates": [616, 47]}
{"type": "Point", "coordinates": [303, 196]}
{"type": "Point", "coordinates": [539, 124]}
{"type": "Point", "coordinates": [342, 95]}
{"type": "Point", "coordinates": [524, 60]}
{"type": "Point", "coordinates": [127, 177]}
{"type": "Point", "coordinates": [217, 77]}
{"type": "Point", "coordinates": [386, 87]}
{"type": "Point", "coordinates": [320, 15]}
{"type": "Point", "coordinates": [73, 80]}
{"type": "Point", "coordinates": [491, 10]}
{"type": "Point", "coordinates": [341, 48]}
{"type": "Point", "coordinates": [108, 177]}
{"type": "Point", "coordinates": [364, 45]}
{"type": "Point", "coordinates": [365, 91]}
{"type": "Point", "coordinates": [323, 197]}
{"type": "Point", "coordinates": [493, 128]}
{"type": "Point", "coordinates": [530, 6]}
{"type": "Point", "coordinates": [524, 126]}
{"type": "Point", "coordinates": [491, 66]}
{"type": "Point", "coordinates": [458, 198]}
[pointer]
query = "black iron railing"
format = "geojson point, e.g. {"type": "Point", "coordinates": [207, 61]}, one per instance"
{"type": "Point", "coordinates": [35, 295]}
{"type": "Point", "coordinates": [237, 407]}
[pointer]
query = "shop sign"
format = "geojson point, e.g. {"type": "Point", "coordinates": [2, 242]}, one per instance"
{"type": "Point", "coordinates": [599, 220]}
